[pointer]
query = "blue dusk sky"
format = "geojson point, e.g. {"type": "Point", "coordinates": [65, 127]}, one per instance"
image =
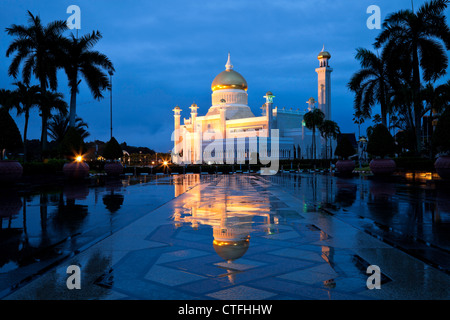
{"type": "Point", "coordinates": [167, 53]}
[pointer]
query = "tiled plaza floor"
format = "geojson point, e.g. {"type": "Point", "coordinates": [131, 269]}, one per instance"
{"type": "Point", "coordinates": [239, 237]}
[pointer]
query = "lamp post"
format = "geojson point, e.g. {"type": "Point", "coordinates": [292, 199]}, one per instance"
{"type": "Point", "coordinates": [110, 106]}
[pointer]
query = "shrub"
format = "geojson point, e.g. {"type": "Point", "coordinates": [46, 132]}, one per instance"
{"type": "Point", "coordinates": [381, 143]}
{"type": "Point", "coordinates": [112, 150]}
{"type": "Point", "coordinates": [52, 166]}
{"type": "Point", "coordinates": [414, 164]}
{"type": "Point", "coordinates": [10, 138]}
{"type": "Point", "coordinates": [441, 135]}
{"type": "Point", "coordinates": [344, 148]}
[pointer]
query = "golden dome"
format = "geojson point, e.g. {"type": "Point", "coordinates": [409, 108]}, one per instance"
{"type": "Point", "coordinates": [229, 79]}
{"type": "Point", "coordinates": [324, 54]}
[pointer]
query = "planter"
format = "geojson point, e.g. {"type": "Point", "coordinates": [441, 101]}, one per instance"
{"type": "Point", "coordinates": [113, 168]}
{"type": "Point", "coordinates": [345, 166]}
{"type": "Point", "coordinates": [442, 166]}
{"type": "Point", "coordinates": [76, 170]}
{"type": "Point", "coordinates": [10, 171]}
{"type": "Point", "coordinates": [382, 167]}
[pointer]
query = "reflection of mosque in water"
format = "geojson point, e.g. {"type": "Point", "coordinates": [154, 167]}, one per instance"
{"type": "Point", "coordinates": [232, 216]}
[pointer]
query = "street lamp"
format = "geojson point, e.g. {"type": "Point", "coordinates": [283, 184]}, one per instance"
{"type": "Point", "coordinates": [110, 107]}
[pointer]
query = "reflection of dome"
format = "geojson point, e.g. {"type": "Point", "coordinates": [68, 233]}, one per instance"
{"type": "Point", "coordinates": [231, 250]}
{"type": "Point", "coordinates": [229, 79]}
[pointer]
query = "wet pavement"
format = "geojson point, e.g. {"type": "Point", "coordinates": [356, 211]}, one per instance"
{"type": "Point", "coordinates": [229, 237]}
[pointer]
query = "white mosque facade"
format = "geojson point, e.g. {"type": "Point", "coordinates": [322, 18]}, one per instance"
{"type": "Point", "coordinates": [230, 132]}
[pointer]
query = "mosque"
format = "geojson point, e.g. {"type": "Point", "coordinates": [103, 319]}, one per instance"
{"type": "Point", "coordinates": [230, 132]}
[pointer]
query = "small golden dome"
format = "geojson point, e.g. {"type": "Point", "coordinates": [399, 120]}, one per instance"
{"type": "Point", "coordinates": [229, 79]}
{"type": "Point", "coordinates": [324, 55]}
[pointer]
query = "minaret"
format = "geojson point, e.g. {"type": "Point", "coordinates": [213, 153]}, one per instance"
{"type": "Point", "coordinates": [177, 134]}
{"type": "Point", "coordinates": [324, 83]}
{"type": "Point", "coordinates": [311, 103]}
{"type": "Point", "coordinates": [196, 142]}
{"type": "Point", "coordinates": [269, 111]}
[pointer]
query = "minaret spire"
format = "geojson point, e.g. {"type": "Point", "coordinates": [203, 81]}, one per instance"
{"type": "Point", "coordinates": [229, 66]}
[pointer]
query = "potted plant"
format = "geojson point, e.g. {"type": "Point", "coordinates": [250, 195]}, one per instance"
{"type": "Point", "coordinates": [344, 150]}
{"type": "Point", "coordinates": [10, 140]}
{"type": "Point", "coordinates": [380, 145]}
{"type": "Point", "coordinates": [113, 152]}
{"type": "Point", "coordinates": [73, 147]}
{"type": "Point", "coordinates": [441, 145]}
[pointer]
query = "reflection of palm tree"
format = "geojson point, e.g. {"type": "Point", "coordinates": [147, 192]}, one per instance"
{"type": "Point", "coordinates": [346, 193]}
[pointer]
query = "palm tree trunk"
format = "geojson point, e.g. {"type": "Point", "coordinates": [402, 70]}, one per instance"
{"type": "Point", "coordinates": [73, 107]}
{"type": "Point", "coordinates": [44, 132]}
{"type": "Point", "coordinates": [416, 100]}
{"type": "Point", "coordinates": [314, 143]}
{"type": "Point", "coordinates": [25, 130]}
{"type": "Point", "coordinates": [43, 86]}
{"type": "Point", "coordinates": [383, 106]}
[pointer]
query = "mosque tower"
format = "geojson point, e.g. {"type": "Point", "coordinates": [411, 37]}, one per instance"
{"type": "Point", "coordinates": [324, 83]}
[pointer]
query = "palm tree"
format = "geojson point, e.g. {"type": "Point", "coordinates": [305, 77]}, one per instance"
{"type": "Point", "coordinates": [59, 125]}
{"type": "Point", "coordinates": [6, 99]}
{"type": "Point", "coordinates": [82, 61]}
{"type": "Point", "coordinates": [39, 48]}
{"type": "Point", "coordinates": [436, 98]}
{"type": "Point", "coordinates": [313, 119]}
{"type": "Point", "coordinates": [49, 101]}
{"type": "Point", "coordinates": [377, 119]}
{"type": "Point", "coordinates": [371, 83]}
{"type": "Point", "coordinates": [418, 36]}
{"type": "Point", "coordinates": [359, 118]}
{"type": "Point", "coordinates": [329, 129]}
{"type": "Point", "coordinates": [25, 98]}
